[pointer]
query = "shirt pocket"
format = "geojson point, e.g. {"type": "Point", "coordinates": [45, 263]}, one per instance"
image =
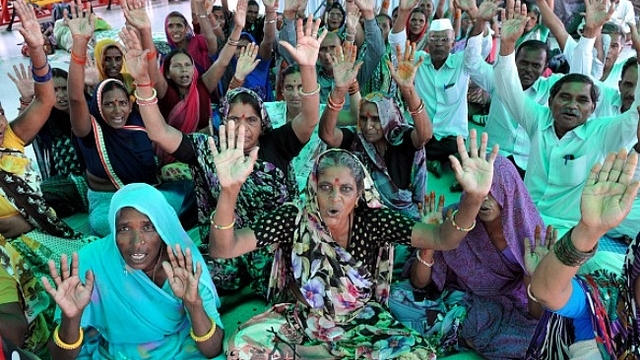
{"type": "Point", "coordinates": [568, 172]}
{"type": "Point", "coordinates": [452, 94]}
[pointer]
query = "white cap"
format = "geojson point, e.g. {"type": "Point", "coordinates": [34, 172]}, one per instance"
{"type": "Point", "coordinates": [440, 25]}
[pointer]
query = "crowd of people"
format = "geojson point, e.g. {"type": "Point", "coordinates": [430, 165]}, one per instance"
{"type": "Point", "coordinates": [300, 148]}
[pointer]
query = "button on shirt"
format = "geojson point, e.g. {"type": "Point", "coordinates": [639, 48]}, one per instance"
{"type": "Point", "coordinates": [444, 92]}
{"type": "Point", "coordinates": [558, 168]}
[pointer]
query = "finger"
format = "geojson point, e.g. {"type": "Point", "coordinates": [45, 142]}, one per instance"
{"type": "Point", "coordinates": [629, 169]}
{"type": "Point", "coordinates": [527, 248]}
{"type": "Point", "coordinates": [340, 54]}
{"type": "Point", "coordinates": [420, 209]}
{"type": "Point", "coordinates": [23, 71]}
{"type": "Point", "coordinates": [64, 267]}
{"type": "Point", "coordinates": [89, 280]}
{"type": "Point", "coordinates": [593, 174]}
{"type": "Point", "coordinates": [357, 66]}
{"type": "Point", "coordinates": [552, 236]}
{"type": "Point", "coordinates": [239, 143]}
{"type": "Point", "coordinates": [419, 63]}
{"type": "Point", "coordinates": [427, 204]}
{"type": "Point", "coordinates": [322, 34]}
{"type": "Point", "coordinates": [494, 154]}
{"type": "Point", "coordinates": [75, 262]}
{"type": "Point", "coordinates": [168, 270]}
{"type": "Point", "coordinates": [12, 78]}
{"type": "Point", "coordinates": [432, 201]}
{"type": "Point", "coordinates": [223, 130]}
{"type": "Point", "coordinates": [309, 26]}
{"type": "Point", "coordinates": [456, 166]}
{"type": "Point", "coordinates": [189, 260]}
{"type": "Point", "coordinates": [603, 175]}
{"type": "Point", "coordinates": [47, 286]}
{"type": "Point", "coordinates": [54, 272]}
{"type": "Point", "coordinates": [290, 49]}
{"type": "Point", "coordinates": [198, 272]}
{"type": "Point", "coordinates": [392, 69]}
{"type": "Point", "coordinates": [462, 149]}
{"type": "Point", "coordinates": [172, 256]}
{"type": "Point", "coordinates": [440, 203]}
{"type": "Point", "coordinates": [618, 165]}
{"type": "Point", "coordinates": [484, 139]}
{"type": "Point", "coordinates": [473, 143]}
{"type": "Point", "coordinates": [629, 196]}
{"type": "Point", "coordinates": [180, 256]}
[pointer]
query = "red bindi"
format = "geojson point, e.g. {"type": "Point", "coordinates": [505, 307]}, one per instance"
{"type": "Point", "coordinates": [336, 181]}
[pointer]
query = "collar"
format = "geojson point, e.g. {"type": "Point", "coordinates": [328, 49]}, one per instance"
{"type": "Point", "coordinates": [579, 131]}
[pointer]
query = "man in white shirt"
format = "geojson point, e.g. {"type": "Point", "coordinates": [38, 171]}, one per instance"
{"type": "Point", "coordinates": [564, 146]}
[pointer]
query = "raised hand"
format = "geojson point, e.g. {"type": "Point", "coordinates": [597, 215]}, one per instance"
{"type": "Point", "coordinates": [135, 14]}
{"type": "Point", "coordinates": [182, 278]}
{"type": "Point", "coordinates": [597, 13]}
{"type": "Point", "coordinates": [23, 81]}
{"type": "Point", "coordinates": [514, 19]}
{"type": "Point", "coordinates": [533, 253]}
{"type": "Point", "coordinates": [247, 61]}
{"type": "Point", "coordinates": [232, 165]}
{"type": "Point", "coordinates": [240, 16]}
{"type": "Point", "coordinates": [405, 74]}
{"type": "Point", "coordinates": [353, 17]}
{"type": "Point", "coordinates": [308, 43]}
{"type": "Point", "coordinates": [367, 7]}
{"type": "Point", "coordinates": [71, 295]}
{"type": "Point", "coordinates": [474, 171]}
{"type": "Point", "coordinates": [430, 211]}
{"type": "Point", "coordinates": [345, 68]}
{"type": "Point", "coordinates": [83, 22]}
{"type": "Point", "coordinates": [635, 36]}
{"type": "Point", "coordinates": [408, 5]}
{"type": "Point", "coordinates": [488, 9]}
{"type": "Point", "coordinates": [270, 4]}
{"type": "Point", "coordinates": [30, 29]}
{"type": "Point", "coordinates": [467, 5]}
{"type": "Point", "coordinates": [91, 72]}
{"type": "Point", "coordinates": [609, 192]}
{"type": "Point", "coordinates": [134, 56]}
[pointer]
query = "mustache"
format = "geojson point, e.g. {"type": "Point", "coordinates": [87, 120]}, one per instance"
{"type": "Point", "coordinates": [573, 112]}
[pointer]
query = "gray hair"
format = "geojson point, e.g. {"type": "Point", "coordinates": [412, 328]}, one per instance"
{"type": "Point", "coordinates": [337, 158]}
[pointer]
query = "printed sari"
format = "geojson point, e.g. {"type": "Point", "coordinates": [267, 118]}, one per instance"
{"type": "Point", "coordinates": [340, 309]}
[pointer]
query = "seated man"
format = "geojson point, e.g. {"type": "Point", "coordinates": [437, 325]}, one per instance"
{"type": "Point", "coordinates": [563, 143]}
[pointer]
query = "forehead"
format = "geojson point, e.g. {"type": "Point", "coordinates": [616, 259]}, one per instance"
{"type": "Point", "coordinates": [383, 20]}
{"type": "Point", "coordinates": [576, 89]}
{"type": "Point", "coordinates": [368, 108]}
{"type": "Point", "coordinates": [59, 81]}
{"type": "Point", "coordinates": [532, 55]}
{"type": "Point", "coordinates": [292, 79]}
{"type": "Point", "coordinates": [176, 20]}
{"type": "Point", "coordinates": [338, 174]}
{"type": "Point", "coordinates": [180, 58]}
{"type": "Point", "coordinates": [241, 109]}
{"type": "Point", "coordinates": [114, 94]}
{"type": "Point", "coordinates": [253, 8]}
{"type": "Point", "coordinates": [631, 74]}
{"type": "Point", "coordinates": [418, 16]}
{"type": "Point", "coordinates": [330, 40]}
{"type": "Point", "coordinates": [127, 214]}
{"type": "Point", "coordinates": [112, 51]}
{"type": "Point", "coordinates": [616, 37]}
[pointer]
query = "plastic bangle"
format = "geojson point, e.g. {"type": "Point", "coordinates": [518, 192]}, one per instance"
{"type": "Point", "coordinates": [427, 264]}
{"type": "Point", "coordinates": [272, 21]}
{"type": "Point", "coordinates": [418, 110]}
{"type": "Point", "coordinates": [216, 27]}
{"type": "Point", "coordinates": [154, 95]}
{"type": "Point", "coordinates": [530, 294]}
{"type": "Point", "coordinates": [453, 222]}
{"type": "Point", "coordinates": [143, 84]}
{"type": "Point", "coordinates": [220, 227]}
{"type": "Point", "coordinates": [567, 253]}
{"type": "Point", "coordinates": [41, 67]}
{"type": "Point", "coordinates": [333, 105]}
{"type": "Point", "coordinates": [80, 60]}
{"type": "Point", "coordinates": [151, 55]}
{"type": "Point", "coordinates": [233, 42]}
{"type": "Point", "coordinates": [25, 103]}
{"type": "Point", "coordinates": [354, 88]}
{"type": "Point", "coordinates": [310, 93]}
{"type": "Point", "coordinates": [42, 79]}
{"type": "Point", "coordinates": [63, 345]}
{"type": "Point", "coordinates": [203, 16]}
{"type": "Point", "coordinates": [147, 103]}
{"type": "Point", "coordinates": [235, 83]}
{"type": "Point", "coordinates": [206, 336]}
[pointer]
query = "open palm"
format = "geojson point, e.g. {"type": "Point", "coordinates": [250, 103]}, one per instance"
{"type": "Point", "coordinates": [182, 278]}
{"type": "Point", "coordinates": [345, 69]}
{"type": "Point", "coordinates": [71, 295]}
{"type": "Point", "coordinates": [134, 56]}
{"type": "Point", "coordinates": [136, 14]}
{"type": "Point", "coordinates": [232, 165]}
{"type": "Point", "coordinates": [30, 29]}
{"type": "Point", "coordinates": [405, 74]}
{"type": "Point", "coordinates": [474, 171]}
{"type": "Point", "coordinates": [609, 193]}
{"type": "Point", "coordinates": [308, 43]}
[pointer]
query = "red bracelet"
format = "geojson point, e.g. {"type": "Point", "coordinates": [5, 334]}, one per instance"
{"type": "Point", "coordinates": [151, 55]}
{"type": "Point", "coordinates": [80, 60]}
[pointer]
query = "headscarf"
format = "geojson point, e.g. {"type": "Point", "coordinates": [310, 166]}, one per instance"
{"type": "Point", "coordinates": [185, 115]}
{"type": "Point", "coordinates": [417, 38]}
{"type": "Point", "coordinates": [229, 99]}
{"type": "Point", "coordinates": [314, 248]}
{"type": "Point", "coordinates": [99, 52]}
{"type": "Point", "coordinates": [128, 148]}
{"type": "Point", "coordinates": [394, 128]}
{"type": "Point", "coordinates": [126, 306]}
{"type": "Point", "coordinates": [484, 274]}
{"type": "Point", "coordinates": [337, 5]}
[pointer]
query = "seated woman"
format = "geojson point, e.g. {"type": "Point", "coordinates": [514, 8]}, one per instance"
{"type": "Point", "coordinates": [272, 182]}
{"type": "Point", "coordinates": [392, 151]}
{"type": "Point", "coordinates": [480, 286]}
{"type": "Point", "coordinates": [109, 59]}
{"type": "Point", "coordinates": [110, 136]}
{"type": "Point", "coordinates": [592, 316]}
{"type": "Point", "coordinates": [334, 254]}
{"type": "Point", "coordinates": [63, 186]}
{"type": "Point", "coordinates": [142, 292]}
{"type": "Point", "coordinates": [180, 35]}
{"type": "Point", "coordinates": [31, 233]}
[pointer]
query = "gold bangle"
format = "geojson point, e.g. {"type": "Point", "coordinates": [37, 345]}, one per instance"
{"type": "Point", "coordinates": [154, 94]}
{"type": "Point", "coordinates": [220, 227]}
{"type": "Point", "coordinates": [453, 222]}
{"type": "Point", "coordinates": [206, 336]}
{"type": "Point", "coordinates": [310, 93]}
{"type": "Point", "coordinates": [418, 110]}
{"type": "Point", "coordinates": [63, 345]}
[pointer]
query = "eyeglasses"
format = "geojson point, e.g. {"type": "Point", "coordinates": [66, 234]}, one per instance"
{"type": "Point", "coordinates": [438, 40]}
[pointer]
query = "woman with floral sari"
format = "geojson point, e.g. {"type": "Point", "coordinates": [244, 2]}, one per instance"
{"type": "Point", "coordinates": [333, 255]}
{"type": "Point", "coordinates": [31, 233]}
{"type": "Point", "coordinates": [110, 135]}
{"type": "Point", "coordinates": [593, 316]}
{"type": "Point", "coordinates": [392, 150]}
{"type": "Point", "coordinates": [273, 180]}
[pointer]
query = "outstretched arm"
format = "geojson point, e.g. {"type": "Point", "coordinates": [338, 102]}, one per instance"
{"type": "Point", "coordinates": [202, 16]}
{"type": "Point", "coordinates": [550, 20]}
{"type": "Point", "coordinates": [30, 121]}
{"type": "Point", "coordinates": [606, 200]}
{"type": "Point", "coordinates": [269, 38]}
{"type": "Point", "coordinates": [81, 27]}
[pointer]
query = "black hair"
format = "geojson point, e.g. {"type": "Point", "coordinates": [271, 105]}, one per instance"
{"type": "Point", "coordinates": [631, 62]}
{"type": "Point", "coordinates": [534, 45]}
{"type": "Point", "coordinates": [61, 73]}
{"type": "Point", "coordinates": [166, 64]}
{"type": "Point", "coordinates": [246, 98]}
{"type": "Point", "coordinates": [575, 78]}
{"type": "Point", "coordinates": [387, 17]}
{"type": "Point", "coordinates": [343, 159]}
{"type": "Point", "coordinates": [253, 2]}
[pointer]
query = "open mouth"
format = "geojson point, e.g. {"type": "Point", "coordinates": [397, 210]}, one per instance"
{"type": "Point", "coordinates": [138, 258]}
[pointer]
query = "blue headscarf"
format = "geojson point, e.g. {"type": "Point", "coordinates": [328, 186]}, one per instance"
{"type": "Point", "coordinates": [129, 311]}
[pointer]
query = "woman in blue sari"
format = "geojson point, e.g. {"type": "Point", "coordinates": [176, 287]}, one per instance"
{"type": "Point", "coordinates": [142, 292]}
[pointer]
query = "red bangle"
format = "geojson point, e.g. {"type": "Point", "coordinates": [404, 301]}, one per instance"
{"type": "Point", "coordinates": [151, 55]}
{"type": "Point", "coordinates": [80, 60]}
{"type": "Point", "coordinates": [143, 85]}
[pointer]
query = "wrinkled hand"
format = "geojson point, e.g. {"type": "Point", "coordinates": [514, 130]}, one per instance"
{"type": "Point", "coordinates": [408, 5]}
{"type": "Point", "coordinates": [182, 278]}
{"type": "Point", "coordinates": [247, 61]}
{"type": "Point", "coordinates": [514, 19]}
{"type": "Point", "coordinates": [135, 14]}
{"type": "Point", "coordinates": [30, 29]}
{"type": "Point", "coordinates": [71, 295]}
{"type": "Point", "coordinates": [240, 16]}
{"type": "Point", "coordinates": [467, 5]}
{"type": "Point", "coordinates": [23, 81]}
{"type": "Point", "coordinates": [475, 173]}
{"type": "Point", "coordinates": [597, 13]}
{"type": "Point", "coordinates": [488, 9]}
{"type": "Point", "coordinates": [533, 253]}
{"type": "Point", "coordinates": [91, 73]}
{"type": "Point", "coordinates": [83, 21]}
{"type": "Point", "coordinates": [308, 42]}
{"type": "Point", "coordinates": [232, 165]}
{"type": "Point", "coordinates": [134, 56]}
{"type": "Point", "coordinates": [345, 68]}
{"type": "Point", "coordinates": [405, 74]}
{"type": "Point", "coordinates": [609, 192]}
{"type": "Point", "coordinates": [430, 212]}
{"type": "Point", "coordinates": [353, 17]}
